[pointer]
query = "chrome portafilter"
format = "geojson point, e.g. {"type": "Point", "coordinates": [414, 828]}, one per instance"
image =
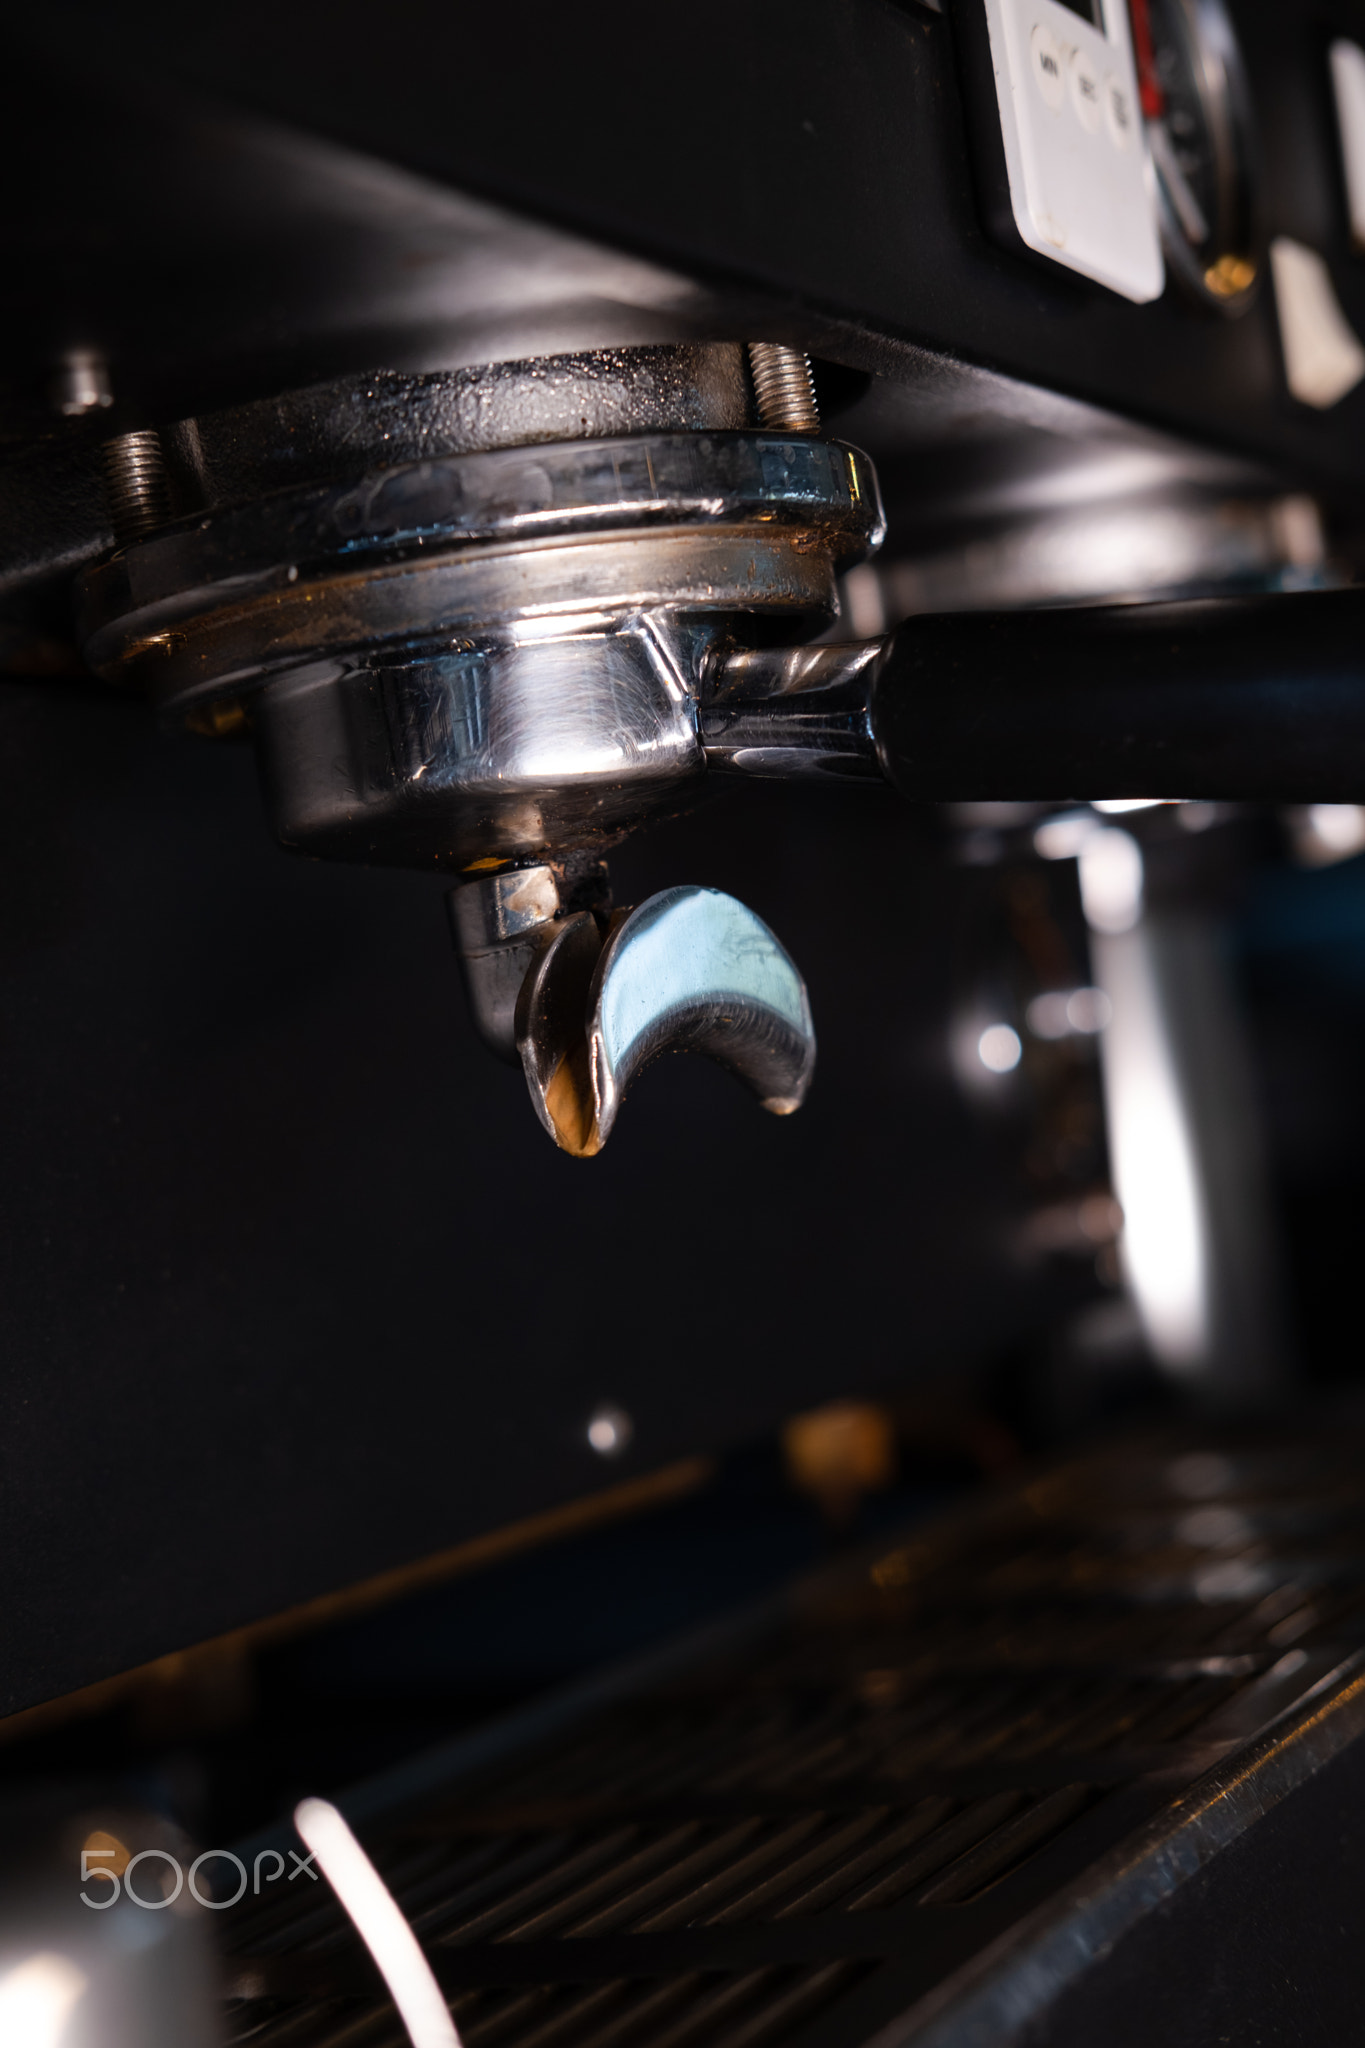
{"type": "Point", "coordinates": [496, 661]}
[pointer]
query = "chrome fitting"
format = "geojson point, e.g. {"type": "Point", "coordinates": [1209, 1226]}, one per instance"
{"type": "Point", "coordinates": [504, 657]}
{"type": "Point", "coordinates": [586, 1002]}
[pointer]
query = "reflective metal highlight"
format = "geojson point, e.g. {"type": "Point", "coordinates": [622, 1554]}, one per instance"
{"type": "Point", "coordinates": [691, 970]}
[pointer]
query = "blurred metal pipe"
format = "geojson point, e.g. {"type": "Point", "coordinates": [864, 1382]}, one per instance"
{"type": "Point", "coordinates": [1199, 1247]}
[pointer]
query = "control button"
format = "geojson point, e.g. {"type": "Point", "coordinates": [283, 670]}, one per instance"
{"type": "Point", "coordinates": [1046, 53]}
{"type": "Point", "coordinates": [1119, 112]}
{"type": "Point", "coordinates": [1086, 92]}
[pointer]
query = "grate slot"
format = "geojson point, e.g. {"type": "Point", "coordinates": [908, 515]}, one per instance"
{"type": "Point", "coordinates": [315, 1923]}
{"type": "Point", "coordinates": [645, 2010]}
{"type": "Point", "coordinates": [567, 2018]}
{"type": "Point", "coordinates": [467, 1873]}
{"type": "Point", "coordinates": [817, 1898]}
{"type": "Point", "coordinates": [979, 1819]}
{"type": "Point", "coordinates": [698, 1901]}
{"type": "Point", "coordinates": [522, 1862]}
{"type": "Point", "coordinates": [903, 1741]}
{"type": "Point", "coordinates": [727, 2011]}
{"type": "Point", "coordinates": [1094, 1717]}
{"type": "Point", "coordinates": [488, 1924]}
{"type": "Point", "coordinates": [974, 1723]}
{"type": "Point", "coordinates": [802, 1998]}
{"type": "Point", "coordinates": [487, 2017]}
{"type": "Point", "coordinates": [312, 1918]}
{"type": "Point", "coordinates": [338, 2025]}
{"type": "Point", "coordinates": [625, 1911]}
{"type": "Point", "coordinates": [832, 1846]}
{"type": "Point", "coordinates": [608, 1884]}
{"type": "Point", "coordinates": [1029, 1720]}
{"type": "Point", "coordinates": [625, 2014]}
{"type": "Point", "coordinates": [790, 1997]}
{"type": "Point", "coordinates": [1175, 1717]}
{"type": "Point", "coordinates": [1008, 1847]}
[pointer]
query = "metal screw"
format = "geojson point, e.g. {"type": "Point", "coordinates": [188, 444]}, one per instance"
{"type": "Point", "coordinates": [137, 492]}
{"type": "Point", "coordinates": [784, 388]}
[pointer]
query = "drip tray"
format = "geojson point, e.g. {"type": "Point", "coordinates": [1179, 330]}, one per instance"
{"type": "Point", "coordinates": [1078, 1762]}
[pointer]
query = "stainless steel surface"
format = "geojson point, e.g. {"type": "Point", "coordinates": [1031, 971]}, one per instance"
{"type": "Point", "coordinates": [136, 489]}
{"type": "Point", "coordinates": [1199, 1246]}
{"type": "Point", "coordinates": [793, 713]}
{"type": "Point", "coordinates": [496, 921]}
{"type": "Point", "coordinates": [760, 673]}
{"type": "Point", "coordinates": [783, 388]}
{"type": "Point", "coordinates": [500, 751]}
{"type": "Point", "coordinates": [711, 522]}
{"type": "Point", "coordinates": [341, 429]}
{"type": "Point", "coordinates": [691, 970]}
{"type": "Point", "coordinates": [497, 908]}
{"type": "Point", "coordinates": [457, 596]}
{"type": "Point", "coordinates": [487, 656]}
{"type": "Point", "coordinates": [551, 1030]}
{"type": "Point", "coordinates": [498, 654]}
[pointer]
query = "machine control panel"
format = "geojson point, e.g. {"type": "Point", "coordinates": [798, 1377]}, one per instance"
{"type": "Point", "coordinates": [1080, 182]}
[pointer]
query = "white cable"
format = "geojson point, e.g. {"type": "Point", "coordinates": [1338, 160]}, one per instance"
{"type": "Point", "coordinates": [379, 1921]}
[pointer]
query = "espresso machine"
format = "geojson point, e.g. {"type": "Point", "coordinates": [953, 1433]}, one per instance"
{"type": "Point", "coordinates": [822, 538]}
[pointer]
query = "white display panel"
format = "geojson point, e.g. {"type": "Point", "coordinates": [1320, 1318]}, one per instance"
{"type": "Point", "coordinates": [1081, 186]}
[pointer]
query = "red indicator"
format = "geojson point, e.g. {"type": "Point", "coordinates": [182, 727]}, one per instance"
{"type": "Point", "coordinates": [1149, 85]}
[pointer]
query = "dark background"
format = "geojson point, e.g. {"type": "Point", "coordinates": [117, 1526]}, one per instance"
{"type": "Point", "coordinates": [295, 1287]}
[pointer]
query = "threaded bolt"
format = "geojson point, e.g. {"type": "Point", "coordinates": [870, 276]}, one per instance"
{"type": "Point", "coordinates": [137, 492]}
{"type": "Point", "coordinates": [784, 388]}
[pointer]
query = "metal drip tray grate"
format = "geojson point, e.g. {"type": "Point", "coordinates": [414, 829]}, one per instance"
{"type": "Point", "coordinates": [801, 1830]}
{"type": "Point", "coordinates": [730, 2009]}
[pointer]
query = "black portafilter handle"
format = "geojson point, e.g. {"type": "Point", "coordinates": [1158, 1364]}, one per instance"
{"type": "Point", "coordinates": [1257, 698]}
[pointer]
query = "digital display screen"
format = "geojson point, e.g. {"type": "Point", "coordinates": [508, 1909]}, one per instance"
{"type": "Point", "coordinates": [1089, 10]}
